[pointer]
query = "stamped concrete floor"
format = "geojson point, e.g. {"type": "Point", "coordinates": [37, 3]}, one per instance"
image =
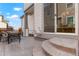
{"type": "Point", "coordinates": [23, 49]}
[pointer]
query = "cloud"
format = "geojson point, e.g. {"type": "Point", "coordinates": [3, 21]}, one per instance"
{"type": "Point", "coordinates": [17, 9]}
{"type": "Point", "coordinates": [8, 13]}
{"type": "Point", "coordinates": [13, 17]}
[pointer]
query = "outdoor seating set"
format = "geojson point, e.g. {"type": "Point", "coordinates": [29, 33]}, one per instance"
{"type": "Point", "coordinates": [10, 36]}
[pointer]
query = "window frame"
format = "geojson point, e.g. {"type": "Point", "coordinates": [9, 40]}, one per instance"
{"type": "Point", "coordinates": [69, 7]}
{"type": "Point", "coordinates": [76, 22]}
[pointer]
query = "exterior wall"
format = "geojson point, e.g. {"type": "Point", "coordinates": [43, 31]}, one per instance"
{"type": "Point", "coordinates": [3, 25]}
{"type": "Point", "coordinates": [38, 17]}
{"type": "Point", "coordinates": [31, 23]}
{"type": "Point", "coordinates": [78, 18]}
{"type": "Point", "coordinates": [39, 24]}
{"type": "Point", "coordinates": [23, 24]}
{"type": "Point", "coordinates": [39, 21]}
{"type": "Point", "coordinates": [27, 23]}
{"type": "Point", "coordinates": [77, 49]}
{"type": "Point", "coordinates": [1, 19]}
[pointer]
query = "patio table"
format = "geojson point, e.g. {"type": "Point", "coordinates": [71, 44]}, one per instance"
{"type": "Point", "coordinates": [9, 36]}
{"type": "Point", "coordinates": [0, 36]}
{"type": "Point", "coordinates": [13, 35]}
{"type": "Point", "coordinates": [4, 36]}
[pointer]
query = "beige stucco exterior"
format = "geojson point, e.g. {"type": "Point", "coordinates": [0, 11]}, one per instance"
{"type": "Point", "coordinates": [36, 23]}
{"type": "Point", "coordinates": [31, 23]}
{"type": "Point", "coordinates": [38, 18]}
{"type": "Point", "coordinates": [1, 18]}
{"type": "Point", "coordinates": [3, 25]}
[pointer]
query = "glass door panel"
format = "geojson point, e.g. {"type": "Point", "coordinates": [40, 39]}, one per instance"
{"type": "Point", "coordinates": [49, 17]}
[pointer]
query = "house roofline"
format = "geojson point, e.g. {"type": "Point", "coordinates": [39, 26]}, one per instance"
{"type": "Point", "coordinates": [22, 16]}
{"type": "Point", "coordinates": [28, 8]}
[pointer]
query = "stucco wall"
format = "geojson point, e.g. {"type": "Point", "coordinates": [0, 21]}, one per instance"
{"type": "Point", "coordinates": [39, 22]}
{"type": "Point", "coordinates": [23, 26]}
{"type": "Point", "coordinates": [38, 17]}
{"type": "Point", "coordinates": [31, 23]}
{"type": "Point", "coordinates": [1, 19]}
{"type": "Point", "coordinates": [22, 22]}
{"type": "Point", "coordinates": [3, 25]}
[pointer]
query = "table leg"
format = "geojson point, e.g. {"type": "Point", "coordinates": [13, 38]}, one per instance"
{"type": "Point", "coordinates": [8, 40]}
{"type": "Point", "coordinates": [19, 38]}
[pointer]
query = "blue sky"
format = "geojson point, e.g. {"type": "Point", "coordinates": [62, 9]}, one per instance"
{"type": "Point", "coordinates": [12, 12]}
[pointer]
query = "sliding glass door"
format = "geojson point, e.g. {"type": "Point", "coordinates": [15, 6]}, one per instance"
{"type": "Point", "coordinates": [49, 17]}
{"type": "Point", "coordinates": [59, 17]}
{"type": "Point", "coordinates": [66, 17]}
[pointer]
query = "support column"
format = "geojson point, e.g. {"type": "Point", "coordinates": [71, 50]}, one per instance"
{"type": "Point", "coordinates": [77, 27]}
{"type": "Point", "coordinates": [25, 25]}
{"type": "Point", "coordinates": [38, 17]}
{"type": "Point", "coordinates": [77, 48]}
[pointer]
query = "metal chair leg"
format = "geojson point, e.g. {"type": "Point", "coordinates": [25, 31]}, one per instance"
{"type": "Point", "coordinates": [19, 39]}
{"type": "Point", "coordinates": [8, 40]}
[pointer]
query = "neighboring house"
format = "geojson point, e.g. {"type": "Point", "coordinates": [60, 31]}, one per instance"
{"type": "Point", "coordinates": [51, 20]}
{"type": "Point", "coordinates": [10, 28]}
{"type": "Point", "coordinates": [2, 23]}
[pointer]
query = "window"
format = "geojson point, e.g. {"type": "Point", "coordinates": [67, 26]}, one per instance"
{"type": "Point", "coordinates": [49, 17]}
{"type": "Point", "coordinates": [69, 5]}
{"type": "Point", "coordinates": [65, 17]}
{"type": "Point", "coordinates": [66, 23]}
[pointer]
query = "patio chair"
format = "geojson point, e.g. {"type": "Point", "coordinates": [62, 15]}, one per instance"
{"type": "Point", "coordinates": [4, 36]}
{"type": "Point", "coordinates": [0, 36]}
{"type": "Point", "coordinates": [13, 36]}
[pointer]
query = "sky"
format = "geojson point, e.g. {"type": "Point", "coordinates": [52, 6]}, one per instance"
{"type": "Point", "coordinates": [12, 13]}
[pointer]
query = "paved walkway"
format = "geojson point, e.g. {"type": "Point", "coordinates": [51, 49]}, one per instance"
{"type": "Point", "coordinates": [22, 49]}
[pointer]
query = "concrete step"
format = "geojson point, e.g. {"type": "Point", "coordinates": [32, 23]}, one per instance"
{"type": "Point", "coordinates": [38, 51]}
{"type": "Point", "coordinates": [39, 36]}
{"type": "Point", "coordinates": [55, 50]}
{"type": "Point", "coordinates": [68, 43]}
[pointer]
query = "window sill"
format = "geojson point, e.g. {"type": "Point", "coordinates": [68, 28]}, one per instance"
{"type": "Point", "coordinates": [75, 34]}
